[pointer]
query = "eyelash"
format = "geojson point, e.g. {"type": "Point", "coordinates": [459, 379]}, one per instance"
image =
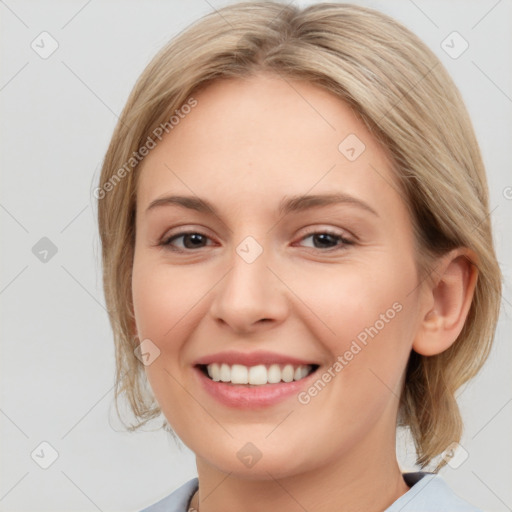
{"type": "Point", "coordinates": [166, 242]}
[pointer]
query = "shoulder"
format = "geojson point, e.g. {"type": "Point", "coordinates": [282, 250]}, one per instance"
{"type": "Point", "coordinates": [429, 492]}
{"type": "Point", "coordinates": [177, 501]}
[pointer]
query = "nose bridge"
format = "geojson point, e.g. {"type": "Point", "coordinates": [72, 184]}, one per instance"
{"type": "Point", "coordinates": [250, 291]}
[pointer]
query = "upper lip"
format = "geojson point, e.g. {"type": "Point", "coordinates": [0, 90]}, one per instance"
{"type": "Point", "coordinates": [250, 358]}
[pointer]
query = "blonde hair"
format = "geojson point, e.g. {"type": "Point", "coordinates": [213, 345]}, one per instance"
{"type": "Point", "coordinates": [402, 92]}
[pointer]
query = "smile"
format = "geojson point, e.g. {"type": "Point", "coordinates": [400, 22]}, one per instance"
{"type": "Point", "coordinates": [239, 391]}
{"type": "Point", "coordinates": [258, 375]}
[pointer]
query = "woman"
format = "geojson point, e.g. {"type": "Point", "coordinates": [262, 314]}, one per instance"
{"type": "Point", "coordinates": [298, 257]}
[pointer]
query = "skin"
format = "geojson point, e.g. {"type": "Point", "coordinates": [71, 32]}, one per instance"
{"type": "Point", "coordinates": [246, 145]}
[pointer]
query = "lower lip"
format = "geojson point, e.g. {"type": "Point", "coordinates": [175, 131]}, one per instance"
{"type": "Point", "coordinates": [250, 397]}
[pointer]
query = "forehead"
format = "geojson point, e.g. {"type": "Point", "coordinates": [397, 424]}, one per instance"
{"type": "Point", "coordinates": [264, 137]}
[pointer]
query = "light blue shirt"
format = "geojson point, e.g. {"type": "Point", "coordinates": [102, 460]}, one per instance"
{"type": "Point", "coordinates": [428, 493]}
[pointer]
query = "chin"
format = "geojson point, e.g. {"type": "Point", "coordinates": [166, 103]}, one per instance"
{"type": "Point", "coordinates": [266, 467]}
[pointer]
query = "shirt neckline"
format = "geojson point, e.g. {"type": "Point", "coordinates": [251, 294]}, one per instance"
{"type": "Point", "coordinates": [410, 478]}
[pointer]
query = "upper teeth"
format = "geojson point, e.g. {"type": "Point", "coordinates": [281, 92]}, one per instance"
{"type": "Point", "coordinates": [258, 375]}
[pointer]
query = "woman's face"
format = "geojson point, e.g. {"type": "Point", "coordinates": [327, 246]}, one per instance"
{"type": "Point", "coordinates": [326, 283]}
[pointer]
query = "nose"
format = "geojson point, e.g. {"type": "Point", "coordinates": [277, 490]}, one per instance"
{"type": "Point", "coordinates": [251, 296]}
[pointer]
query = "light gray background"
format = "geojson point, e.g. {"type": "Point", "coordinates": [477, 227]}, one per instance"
{"type": "Point", "coordinates": [57, 357]}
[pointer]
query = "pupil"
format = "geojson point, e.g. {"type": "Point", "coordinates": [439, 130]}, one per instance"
{"type": "Point", "coordinates": [323, 236]}
{"type": "Point", "coordinates": [193, 237]}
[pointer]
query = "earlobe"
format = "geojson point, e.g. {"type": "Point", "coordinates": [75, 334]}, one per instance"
{"type": "Point", "coordinates": [448, 298]}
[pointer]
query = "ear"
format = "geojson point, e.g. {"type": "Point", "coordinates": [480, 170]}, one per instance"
{"type": "Point", "coordinates": [446, 300]}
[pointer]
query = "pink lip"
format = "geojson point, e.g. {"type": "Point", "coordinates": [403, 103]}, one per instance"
{"type": "Point", "coordinates": [250, 358]}
{"type": "Point", "coordinates": [252, 397]}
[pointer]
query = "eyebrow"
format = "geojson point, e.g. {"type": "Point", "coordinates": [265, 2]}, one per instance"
{"type": "Point", "coordinates": [287, 204]}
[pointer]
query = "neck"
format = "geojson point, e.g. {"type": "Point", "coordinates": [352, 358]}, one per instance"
{"type": "Point", "coordinates": [355, 481]}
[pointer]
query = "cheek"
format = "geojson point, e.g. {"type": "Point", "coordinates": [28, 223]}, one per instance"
{"type": "Point", "coordinates": [166, 307]}
{"type": "Point", "coordinates": [365, 316]}
{"type": "Point", "coordinates": [349, 299]}
{"type": "Point", "coordinates": [163, 298]}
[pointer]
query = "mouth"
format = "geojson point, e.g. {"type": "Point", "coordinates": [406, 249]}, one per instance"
{"type": "Point", "coordinates": [257, 375]}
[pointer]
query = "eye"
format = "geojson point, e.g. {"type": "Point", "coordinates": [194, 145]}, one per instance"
{"type": "Point", "coordinates": [328, 240]}
{"type": "Point", "coordinates": [190, 240]}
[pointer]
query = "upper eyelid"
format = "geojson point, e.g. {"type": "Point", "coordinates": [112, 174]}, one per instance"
{"type": "Point", "coordinates": [200, 231]}
{"type": "Point", "coordinates": [318, 229]}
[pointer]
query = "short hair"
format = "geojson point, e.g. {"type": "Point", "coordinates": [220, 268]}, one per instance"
{"type": "Point", "coordinates": [409, 103]}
